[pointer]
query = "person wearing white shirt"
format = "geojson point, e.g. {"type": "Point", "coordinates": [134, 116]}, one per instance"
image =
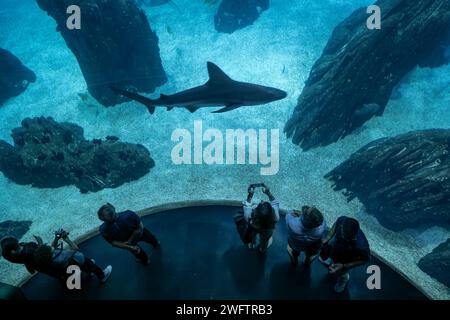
{"type": "Point", "coordinates": [305, 232]}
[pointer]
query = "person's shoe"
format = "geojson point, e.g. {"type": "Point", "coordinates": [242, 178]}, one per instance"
{"type": "Point", "coordinates": [292, 257]}
{"type": "Point", "coordinates": [341, 283]}
{"type": "Point", "coordinates": [107, 272]}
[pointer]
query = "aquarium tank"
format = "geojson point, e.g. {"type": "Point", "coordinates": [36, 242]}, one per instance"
{"type": "Point", "coordinates": [225, 150]}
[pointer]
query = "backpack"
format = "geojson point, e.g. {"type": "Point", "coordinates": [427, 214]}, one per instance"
{"type": "Point", "coordinates": [244, 228]}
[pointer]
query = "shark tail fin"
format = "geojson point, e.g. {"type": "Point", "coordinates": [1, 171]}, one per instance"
{"type": "Point", "coordinates": [149, 103]}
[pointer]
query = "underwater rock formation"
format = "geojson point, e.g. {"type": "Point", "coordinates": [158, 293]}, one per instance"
{"type": "Point", "coordinates": [14, 76]}
{"type": "Point", "coordinates": [354, 78]}
{"type": "Point", "coordinates": [115, 46]}
{"type": "Point", "coordinates": [437, 263]}
{"type": "Point", "coordinates": [14, 229]}
{"type": "Point", "coordinates": [404, 181]}
{"type": "Point", "coordinates": [48, 154]}
{"type": "Point", "coordinates": [233, 15]}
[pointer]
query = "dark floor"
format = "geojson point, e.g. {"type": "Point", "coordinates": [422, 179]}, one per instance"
{"type": "Point", "coordinates": [202, 258]}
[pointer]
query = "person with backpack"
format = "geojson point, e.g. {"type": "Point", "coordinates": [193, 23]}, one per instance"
{"type": "Point", "coordinates": [54, 260]}
{"type": "Point", "coordinates": [344, 248]}
{"type": "Point", "coordinates": [305, 232]}
{"type": "Point", "coordinates": [262, 218]}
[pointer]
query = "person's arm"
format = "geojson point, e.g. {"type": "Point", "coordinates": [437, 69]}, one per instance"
{"type": "Point", "coordinates": [72, 245]}
{"type": "Point", "coordinates": [251, 193]}
{"type": "Point", "coordinates": [275, 204]}
{"type": "Point", "coordinates": [137, 234]}
{"type": "Point", "coordinates": [55, 241]}
{"type": "Point", "coordinates": [266, 191]}
{"type": "Point", "coordinates": [30, 269]}
{"type": "Point", "coordinates": [126, 246]}
{"type": "Point", "coordinates": [247, 204]}
{"type": "Point", "coordinates": [330, 234]}
{"type": "Point", "coordinates": [346, 266]}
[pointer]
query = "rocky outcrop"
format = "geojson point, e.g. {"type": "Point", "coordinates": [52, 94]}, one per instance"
{"type": "Point", "coordinates": [14, 76]}
{"type": "Point", "coordinates": [233, 15]}
{"type": "Point", "coordinates": [48, 154]}
{"type": "Point", "coordinates": [354, 78]}
{"type": "Point", "coordinates": [14, 229]}
{"type": "Point", "coordinates": [404, 181]}
{"type": "Point", "coordinates": [114, 47]}
{"type": "Point", "coordinates": [437, 263]}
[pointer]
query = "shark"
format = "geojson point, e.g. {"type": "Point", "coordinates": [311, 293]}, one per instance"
{"type": "Point", "coordinates": [219, 91]}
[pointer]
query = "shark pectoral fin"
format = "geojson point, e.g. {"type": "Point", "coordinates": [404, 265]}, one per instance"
{"type": "Point", "coordinates": [227, 108]}
{"type": "Point", "coordinates": [151, 109]}
{"type": "Point", "coordinates": [192, 109]}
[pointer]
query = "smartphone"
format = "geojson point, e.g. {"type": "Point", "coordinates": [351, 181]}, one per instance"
{"type": "Point", "coordinates": [257, 185]}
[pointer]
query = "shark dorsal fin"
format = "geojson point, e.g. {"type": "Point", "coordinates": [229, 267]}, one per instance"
{"type": "Point", "coordinates": [216, 75]}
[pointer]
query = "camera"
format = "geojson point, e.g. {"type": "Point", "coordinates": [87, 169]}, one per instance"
{"type": "Point", "coordinates": [61, 233]}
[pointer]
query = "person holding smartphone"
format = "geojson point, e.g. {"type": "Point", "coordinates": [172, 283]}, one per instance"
{"type": "Point", "coordinates": [344, 248]}
{"type": "Point", "coordinates": [263, 217]}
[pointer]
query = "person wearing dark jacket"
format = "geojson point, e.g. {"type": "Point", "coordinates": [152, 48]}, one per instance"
{"type": "Point", "coordinates": [345, 247]}
{"type": "Point", "coordinates": [19, 252]}
{"type": "Point", "coordinates": [125, 230]}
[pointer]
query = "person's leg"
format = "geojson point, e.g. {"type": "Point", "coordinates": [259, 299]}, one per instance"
{"type": "Point", "coordinates": [293, 255]}
{"type": "Point", "coordinates": [265, 240]}
{"type": "Point", "coordinates": [311, 252]}
{"type": "Point", "coordinates": [148, 237]}
{"type": "Point", "coordinates": [89, 266]}
{"type": "Point", "coordinates": [142, 256]}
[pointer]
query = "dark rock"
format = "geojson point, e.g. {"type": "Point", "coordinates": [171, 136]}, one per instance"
{"type": "Point", "coordinates": [237, 14]}
{"type": "Point", "coordinates": [14, 76]}
{"type": "Point", "coordinates": [437, 263]}
{"type": "Point", "coordinates": [404, 181]}
{"type": "Point", "coordinates": [47, 154]}
{"type": "Point", "coordinates": [360, 67]}
{"type": "Point", "coordinates": [112, 138]}
{"type": "Point", "coordinates": [115, 46]}
{"type": "Point", "coordinates": [14, 229]}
